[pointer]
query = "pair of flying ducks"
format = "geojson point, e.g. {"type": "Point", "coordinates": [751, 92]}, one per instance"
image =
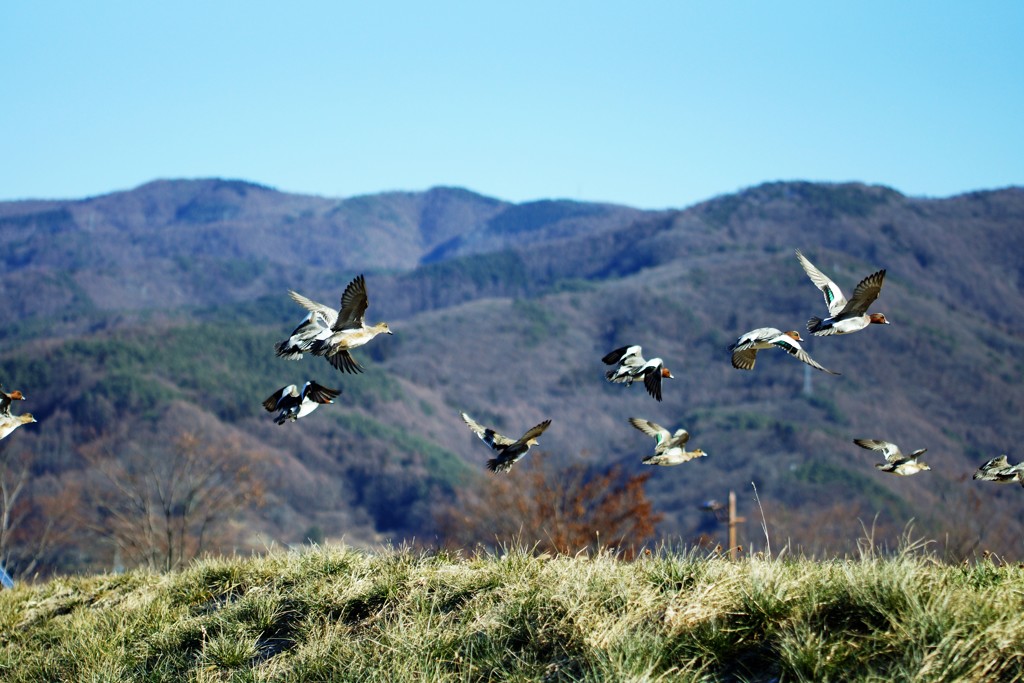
{"type": "Point", "coordinates": [669, 449]}
{"type": "Point", "coordinates": [844, 317]}
{"type": "Point", "coordinates": [998, 469]}
{"type": "Point", "coordinates": [323, 332]}
{"type": "Point", "coordinates": [630, 366]}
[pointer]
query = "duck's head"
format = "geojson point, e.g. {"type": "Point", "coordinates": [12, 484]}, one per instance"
{"type": "Point", "coordinates": [698, 453]}
{"type": "Point", "coordinates": [383, 327]}
{"type": "Point", "coordinates": [25, 418]}
{"type": "Point", "coordinates": [16, 395]}
{"type": "Point", "coordinates": [794, 334]}
{"type": "Point", "coordinates": [878, 318]}
{"type": "Point", "coordinates": [665, 373]}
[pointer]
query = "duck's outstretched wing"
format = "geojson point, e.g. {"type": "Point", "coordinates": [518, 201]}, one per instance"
{"type": "Point", "coordinates": [487, 435]}
{"type": "Point", "coordinates": [318, 393]}
{"type": "Point", "coordinates": [652, 429]}
{"type": "Point", "coordinates": [329, 314]}
{"type": "Point", "coordinates": [652, 380]}
{"type": "Point", "coordinates": [1000, 463]}
{"type": "Point", "coordinates": [834, 299]}
{"type": "Point", "coordinates": [744, 359]}
{"type": "Point", "coordinates": [353, 306]}
{"type": "Point", "coordinates": [888, 449]}
{"type": "Point", "coordinates": [864, 295]}
{"type": "Point", "coordinates": [624, 355]}
{"type": "Point", "coordinates": [532, 433]}
{"type": "Point", "coordinates": [344, 361]}
{"type": "Point", "coordinates": [795, 350]}
{"type": "Point", "coordinates": [272, 401]}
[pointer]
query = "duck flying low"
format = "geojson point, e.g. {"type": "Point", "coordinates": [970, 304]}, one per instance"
{"type": "Point", "coordinates": [895, 461]}
{"type": "Point", "coordinates": [1000, 471]}
{"type": "Point", "coordinates": [509, 451]}
{"type": "Point", "coordinates": [669, 448]}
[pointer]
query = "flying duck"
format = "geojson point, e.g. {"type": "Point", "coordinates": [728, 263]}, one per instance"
{"type": "Point", "coordinates": [669, 448]}
{"type": "Point", "coordinates": [844, 316]}
{"type": "Point", "coordinates": [1000, 471]}
{"type": "Point", "coordinates": [8, 423]}
{"type": "Point", "coordinates": [744, 350]}
{"type": "Point", "coordinates": [895, 461]}
{"type": "Point", "coordinates": [630, 364]}
{"type": "Point", "coordinates": [509, 450]}
{"type": "Point", "coordinates": [294, 404]}
{"type": "Point", "coordinates": [346, 331]}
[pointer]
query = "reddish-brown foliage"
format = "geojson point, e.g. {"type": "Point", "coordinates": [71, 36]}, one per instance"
{"type": "Point", "coordinates": [562, 509]}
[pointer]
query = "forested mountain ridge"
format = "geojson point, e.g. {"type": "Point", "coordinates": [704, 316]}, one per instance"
{"type": "Point", "coordinates": [209, 242]}
{"type": "Point", "coordinates": [137, 316]}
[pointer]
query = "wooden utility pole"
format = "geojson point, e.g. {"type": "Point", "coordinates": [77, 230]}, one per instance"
{"type": "Point", "coordinates": [733, 521]}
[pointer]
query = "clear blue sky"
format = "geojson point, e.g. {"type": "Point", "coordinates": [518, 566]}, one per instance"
{"type": "Point", "coordinates": [658, 104]}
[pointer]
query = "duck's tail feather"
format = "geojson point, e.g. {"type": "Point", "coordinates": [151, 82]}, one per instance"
{"type": "Point", "coordinates": [496, 465]}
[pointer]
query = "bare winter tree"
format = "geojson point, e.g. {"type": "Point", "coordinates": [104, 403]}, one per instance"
{"type": "Point", "coordinates": [32, 521]}
{"type": "Point", "coordinates": [560, 509]}
{"type": "Point", "coordinates": [170, 504]}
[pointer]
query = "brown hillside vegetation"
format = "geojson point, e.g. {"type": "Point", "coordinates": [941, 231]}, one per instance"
{"type": "Point", "coordinates": [137, 317]}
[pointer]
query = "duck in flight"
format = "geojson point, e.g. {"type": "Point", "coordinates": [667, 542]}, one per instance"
{"type": "Point", "coordinates": [669, 447]}
{"type": "Point", "coordinates": [293, 403]}
{"type": "Point", "coordinates": [844, 316]}
{"type": "Point", "coordinates": [333, 334]}
{"type": "Point", "coordinates": [509, 451]}
{"type": "Point", "coordinates": [744, 350]}
{"type": "Point", "coordinates": [895, 461]}
{"type": "Point", "coordinates": [630, 364]}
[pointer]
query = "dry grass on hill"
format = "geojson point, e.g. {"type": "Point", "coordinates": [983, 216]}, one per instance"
{"type": "Point", "coordinates": [335, 613]}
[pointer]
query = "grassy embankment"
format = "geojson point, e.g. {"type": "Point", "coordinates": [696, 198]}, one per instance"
{"type": "Point", "coordinates": [336, 613]}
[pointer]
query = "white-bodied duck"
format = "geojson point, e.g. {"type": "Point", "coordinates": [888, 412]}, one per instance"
{"type": "Point", "coordinates": [744, 350]}
{"type": "Point", "coordinates": [669, 448]}
{"type": "Point", "coordinates": [895, 461]}
{"type": "Point", "coordinates": [8, 423]}
{"type": "Point", "coordinates": [1000, 471]}
{"type": "Point", "coordinates": [293, 403]}
{"type": "Point", "coordinates": [630, 365]}
{"type": "Point", "coordinates": [347, 331]}
{"type": "Point", "coordinates": [844, 316]}
{"type": "Point", "coordinates": [509, 450]}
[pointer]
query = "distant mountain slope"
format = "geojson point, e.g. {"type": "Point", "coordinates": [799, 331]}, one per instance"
{"type": "Point", "coordinates": [174, 293]}
{"type": "Point", "coordinates": [208, 242]}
